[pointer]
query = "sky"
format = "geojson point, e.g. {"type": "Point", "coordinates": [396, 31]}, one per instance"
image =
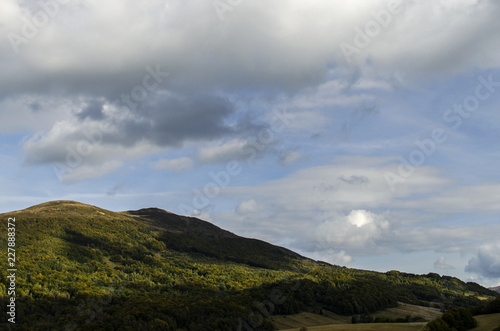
{"type": "Point", "coordinates": [361, 133]}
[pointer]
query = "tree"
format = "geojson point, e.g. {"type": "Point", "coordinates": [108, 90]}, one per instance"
{"type": "Point", "coordinates": [437, 325]}
{"type": "Point", "coordinates": [460, 319]}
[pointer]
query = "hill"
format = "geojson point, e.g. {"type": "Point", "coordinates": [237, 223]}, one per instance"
{"type": "Point", "coordinates": [496, 289]}
{"type": "Point", "coordinates": [189, 234]}
{"type": "Point", "coordinates": [80, 267]}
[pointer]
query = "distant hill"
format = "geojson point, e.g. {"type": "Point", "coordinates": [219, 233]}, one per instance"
{"type": "Point", "coordinates": [81, 267]}
{"type": "Point", "coordinates": [496, 289]}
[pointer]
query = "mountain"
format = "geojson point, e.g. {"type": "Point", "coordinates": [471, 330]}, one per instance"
{"type": "Point", "coordinates": [81, 267]}
{"type": "Point", "coordinates": [496, 289]}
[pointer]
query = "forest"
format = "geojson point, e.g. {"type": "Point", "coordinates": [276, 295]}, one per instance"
{"type": "Point", "coordinates": [81, 267]}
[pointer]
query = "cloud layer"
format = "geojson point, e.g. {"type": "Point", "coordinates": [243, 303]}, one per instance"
{"type": "Point", "coordinates": [167, 77]}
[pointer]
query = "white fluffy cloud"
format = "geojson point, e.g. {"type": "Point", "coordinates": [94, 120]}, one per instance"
{"type": "Point", "coordinates": [246, 207]}
{"type": "Point", "coordinates": [360, 218]}
{"type": "Point", "coordinates": [358, 231]}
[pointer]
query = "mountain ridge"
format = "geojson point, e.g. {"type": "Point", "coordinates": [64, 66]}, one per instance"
{"type": "Point", "coordinates": [168, 221]}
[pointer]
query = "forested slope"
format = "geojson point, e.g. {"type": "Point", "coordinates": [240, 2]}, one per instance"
{"type": "Point", "coordinates": [83, 267]}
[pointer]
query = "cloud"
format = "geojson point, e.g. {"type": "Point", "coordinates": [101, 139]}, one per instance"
{"type": "Point", "coordinates": [93, 110]}
{"type": "Point", "coordinates": [355, 180]}
{"type": "Point", "coordinates": [35, 114]}
{"type": "Point", "coordinates": [113, 190]}
{"type": "Point", "coordinates": [325, 187]}
{"type": "Point", "coordinates": [465, 199]}
{"type": "Point", "coordinates": [249, 206]}
{"type": "Point", "coordinates": [175, 119]}
{"type": "Point", "coordinates": [209, 75]}
{"type": "Point", "coordinates": [486, 262]}
{"type": "Point", "coordinates": [101, 131]}
{"type": "Point", "coordinates": [357, 231]}
{"type": "Point", "coordinates": [340, 258]}
{"type": "Point", "coordinates": [224, 152]}
{"type": "Point", "coordinates": [348, 206]}
{"type": "Point", "coordinates": [176, 165]}
{"type": "Point", "coordinates": [85, 171]}
{"type": "Point", "coordinates": [290, 156]}
{"type": "Point", "coordinates": [78, 150]}
{"type": "Point", "coordinates": [360, 218]}
{"type": "Point", "coordinates": [35, 106]}
{"type": "Point", "coordinates": [440, 264]}
{"type": "Point", "coordinates": [299, 45]}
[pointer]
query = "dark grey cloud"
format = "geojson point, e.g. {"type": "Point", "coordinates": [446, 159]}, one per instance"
{"type": "Point", "coordinates": [166, 121]}
{"type": "Point", "coordinates": [114, 190]}
{"type": "Point", "coordinates": [35, 106]}
{"type": "Point", "coordinates": [173, 120]}
{"type": "Point", "coordinates": [93, 111]}
{"type": "Point", "coordinates": [355, 180]}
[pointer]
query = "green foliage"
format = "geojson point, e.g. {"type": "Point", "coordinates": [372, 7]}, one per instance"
{"type": "Point", "coordinates": [459, 319]}
{"type": "Point", "coordinates": [251, 252]}
{"type": "Point", "coordinates": [407, 319]}
{"type": "Point", "coordinates": [88, 268]}
{"type": "Point", "coordinates": [491, 307]}
{"type": "Point", "coordinates": [437, 325]}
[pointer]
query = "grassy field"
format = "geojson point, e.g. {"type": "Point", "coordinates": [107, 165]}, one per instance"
{"type": "Point", "coordinates": [404, 309]}
{"type": "Point", "coordinates": [284, 322]}
{"type": "Point", "coordinates": [328, 320]}
{"type": "Point", "coordinates": [487, 322]}
{"type": "Point", "coordinates": [368, 327]}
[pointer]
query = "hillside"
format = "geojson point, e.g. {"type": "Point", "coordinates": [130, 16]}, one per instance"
{"type": "Point", "coordinates": [81, 267]}
{"type": "Point", "coordinates": [496, 289]}
{"type": "Point", "coordinates": [189, 234]}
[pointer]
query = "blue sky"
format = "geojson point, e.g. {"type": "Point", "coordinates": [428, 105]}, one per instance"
{"type": "Point", "coordinates": [363, 133]}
